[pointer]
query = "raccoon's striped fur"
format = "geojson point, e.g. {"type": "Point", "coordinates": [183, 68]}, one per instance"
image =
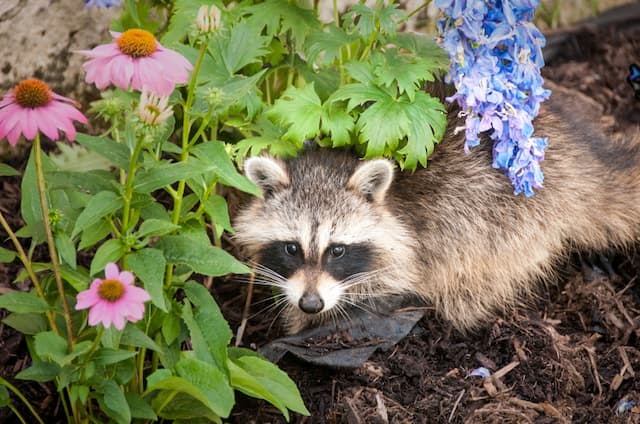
{"type": "Point", "coordinates": [333, 229]}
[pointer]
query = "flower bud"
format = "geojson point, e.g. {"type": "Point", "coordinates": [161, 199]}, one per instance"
{"type": "Point", "coordinates": [208, 19]}
{"type": "Point", "coordinates": [154, 110]}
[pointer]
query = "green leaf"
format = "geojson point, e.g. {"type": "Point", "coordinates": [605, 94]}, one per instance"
{"type": "Point", "coordinates": [79, 392]}
{"type": "Point", "coordinates": [113, 402]}
{"type": "Point", "coordinates": [210, 381]}
{"type": "Point", "coordinates": [290, 17]}
{"type": "Point", "coordinates": [182, 21]}
{"type": "Point", "coordinates": [165, 174]}
{"type": "Point", "coordinates": [51, 346]}
{"type": "Point", "coordinates": [110, 251]}
{"type": "Point", "coordinates": [94, 233]}
{"type": "Point", "coordinates": [407, 72]}
{"type": "Point", "coordinates": [40, 371]}
{"type": "Point", "coordinates": [190, 402]}
{"type": "Point", "coordinates": [274, 380]}
{"type": "Point", "coordinates": [244, 46]}
{"type": "Point", "coordinates": [23, 302]}
{"type": "Point", "coordinates": [66, 249]}
{"type": "Point", "coordinates": [216, 207]}
{"type": "Point", "coordinates": [365, 18]}
{"type": "Point", "coordinates": [7, 171]}
{"type": "Point", "coordinates": [300, 109]}
{"type": "Point", "coordinates": [203, 259]}
{"type": "Point", "coordinates": [7, 255]}
{"type": "Point", "coordinates": [108, 356]}
{"type": "Point", "coordinates": [30, 205]}
{"type": "Point", "coordinates": [133, 336]}
{"type": "Point", "coordinates": [170, 327]}
{"type": "Point", "coordinates": [78, 278]}
{"type": "Point", "coordinates": [91, 182]}
{"type": "Point", "coordinates": [374, 126]}
{"type": "Point", "coordinates": [139, 407]}
{"type": "Point", "coordinates": [149, 266]}
{"type": "Point", "coordinates": [210, 322]}
{"type": "Point", "coordinates": [216, 158]}
{"type": "Point", "coordinates": [424, 46]}
{"type": "Point", "coordinates": [330, 42]}
{"type": "Point", "coordinates": [5, 399]}
{"type": "Point", "coordinates": [337, 123]}
{"type": "Point", "coordinates": [117, 153]}
{"type": "Point", "coordinates": [428, 122]}
{"type": "Point", "coordinates": [29, 324]}
{"type": "Point", "coordinates": [100, 205]}
{"type": "Point", "coordinates": [156, 227]}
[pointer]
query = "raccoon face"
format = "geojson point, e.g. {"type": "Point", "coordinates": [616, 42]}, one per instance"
{"type": "Point", "coordinates": [321, 232]}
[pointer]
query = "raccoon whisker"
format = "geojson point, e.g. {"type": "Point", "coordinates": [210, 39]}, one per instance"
{"type": "Point", "coordinates": [342, 311]}
{"type": "Point", "coordinates": [286, 306]}
{"type": "Point", "coordinates": [355, 304]}
{"type": "Point", "coordinates": [261, 282]}
{"type": "Point", "coordinates": [276, 297]}
{"type": "Point", "coordinates": [270, 308]}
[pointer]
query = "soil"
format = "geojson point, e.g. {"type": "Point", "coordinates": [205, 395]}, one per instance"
{"type": "Point", "coordinates": [572, 355]}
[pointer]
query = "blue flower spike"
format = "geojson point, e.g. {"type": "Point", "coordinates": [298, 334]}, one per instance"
{"type": "Point", "coordinates": [496, 56]}
{"type": "Point", "coordinates": [101, 4]}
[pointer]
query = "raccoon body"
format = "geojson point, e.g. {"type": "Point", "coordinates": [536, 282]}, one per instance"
{"type": "Point", "coordinates": [333, 230]}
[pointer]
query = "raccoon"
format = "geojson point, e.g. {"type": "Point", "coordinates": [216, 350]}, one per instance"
{"type": "Point", "coordinates": [332, 230]}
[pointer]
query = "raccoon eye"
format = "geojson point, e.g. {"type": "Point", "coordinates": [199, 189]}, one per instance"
{"type": "Point", "coordinates": [337, 251]}
{"type": "Point", "coordinates": [291, 249]}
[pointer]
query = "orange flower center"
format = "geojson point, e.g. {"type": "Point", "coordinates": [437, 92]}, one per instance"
{"type": "Point", "coordinates": [32, 93]}
{"type": "Point", "coordinates": [111, 290]}
{"type": "Point", "coordinates": [137, 43]}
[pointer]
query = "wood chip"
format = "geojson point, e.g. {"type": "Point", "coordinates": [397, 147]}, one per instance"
{"type": "Point", "coordinates": [485, 361]}
{"type": "Point", "coordinates": [506, 369]}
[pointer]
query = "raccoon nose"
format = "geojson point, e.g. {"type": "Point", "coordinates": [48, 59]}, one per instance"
{"type": "Point", "coordinates": [311, 303]}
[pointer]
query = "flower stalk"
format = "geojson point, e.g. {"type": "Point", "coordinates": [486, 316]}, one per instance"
{"type": "Point", "coordinates": [50, 241]}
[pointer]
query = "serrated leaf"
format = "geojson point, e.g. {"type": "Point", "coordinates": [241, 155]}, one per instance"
{"type": "Point", "coordinates": [149, 266]}
{"type": "Point", "coordinates": [424, 46]}
{"type": "Point", "coordinates": [428, 122]}
{"type": "Point", "coordinates": [216, 159]}
{"type": "Point", "coordinates": [110, 251]}
{"type": "Point", "coordinates": [189, 403]}
{"type": "Point", "coordinates": [108, 356]}
{"type": "Point", "coordinates": [93, 234]}
{"type": "Point", "coordinates": [211, 322]}
{"type": "Point", "coordinates": [100, 205]}
{"type": "Point", "coordinates": [300, 109]}
{"type": "Point", "coordinates": [156, 227]}
{"type": "Point", "coordinates": [210, 381]}
{"type": "Point", "coordinates": [280, 16]}
{"type": "Point", "coordinates": [407, 72]}
{"type": "Point", "coordinates": [216, 208]}
{"type": "Point", "coordinates": [244, 46]}
{"type": "Point", "coordinates": [23, 302]}
{"type": "Point", "coordinates": [337, 123]}
{"type": "Point", "coordinates": [25, 323]}
{"type": "Point", "coordinates": [274, 381]}
{"type": "Point", "coordinates": [363, 18]}
{"type": "Point", "coordinates": [40, 371]}
{"type": "Point", "coordinates": [51, 346]}
{"type": "Point", "coordinates": [118, 154]}
{"type": "Point", "coordinates": [133, 336]}
{"type": "Point", "coordinates": [139, 407]}
{"type": "Point", "coordinates": [203, 259]}
{"type": "Point", "coordinates": [329, 42]}
{"type": "Point", "coordinates": [158, 177]}
{"type": "Point", "coordinates": [374, 126]}
{"type": "Point", "coordinates": [182, 21]}
{"type": "Point", "coordinates": [113, 402]}
{"type": "Point", "coordinates": [66, 249]}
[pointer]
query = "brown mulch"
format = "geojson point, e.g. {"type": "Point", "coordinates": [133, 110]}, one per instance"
{"type": "Point", "coordinates": [572, 356]}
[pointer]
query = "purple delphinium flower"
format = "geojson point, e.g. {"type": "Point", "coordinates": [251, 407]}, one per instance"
{"type": "Point", "coordinates": [496, 56]}
{"type": "Point", "coordinates": [101, 3]}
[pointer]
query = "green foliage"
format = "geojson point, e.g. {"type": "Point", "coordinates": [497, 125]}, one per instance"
{"type": "Point", "coordinates": [150, 197]}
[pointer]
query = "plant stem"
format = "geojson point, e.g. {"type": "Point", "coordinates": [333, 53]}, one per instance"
{"type": "Point", "coordinates": [52, 247]}
{"type": "Point", "coordinates": [186, 128]}
{"type": "Point", "coordinates": [416, 10]}
{"type": "Point", "coordinates": [22, 398]}
{"type": "Point", "coordinates": [128, 190]}
{"type": "Point", "coordinates": [27, 265]}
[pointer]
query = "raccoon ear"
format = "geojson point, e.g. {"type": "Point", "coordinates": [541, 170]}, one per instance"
{"type": "Point", "coordinates": [372, 179]}
{"type": "Point", "coordinates": [268, 174]}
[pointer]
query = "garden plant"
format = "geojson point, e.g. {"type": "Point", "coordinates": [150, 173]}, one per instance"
{"type": "Point", "coordinates": [117, 247]}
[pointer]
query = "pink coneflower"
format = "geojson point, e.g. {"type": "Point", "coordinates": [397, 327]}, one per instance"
{"type": "Point", "coordinates": [33, 106]}
{"type": "Point", "coordinates": [152, 109]}
{"type": "Point", "coordinates": [114, 299]}
{"type": "Point", "coordinates": [135, 60]}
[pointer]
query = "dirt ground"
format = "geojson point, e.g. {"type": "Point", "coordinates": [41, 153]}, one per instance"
{"type": "Point", "coordinates": [572, 355]}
